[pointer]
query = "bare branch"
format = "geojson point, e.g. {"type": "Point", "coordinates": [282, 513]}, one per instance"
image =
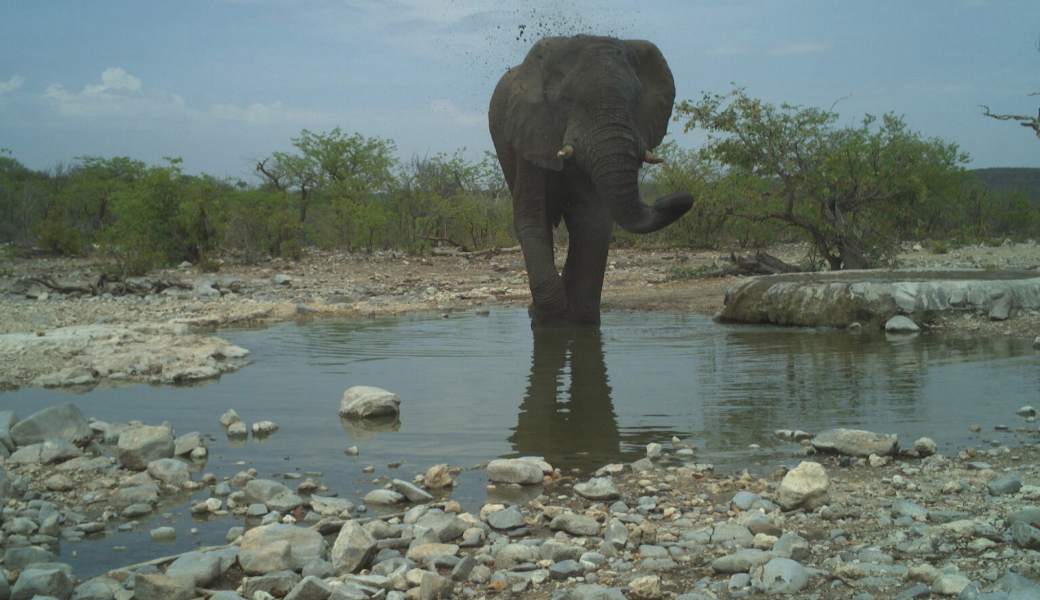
{"type": "Point", "coordinates": [1030, 122]}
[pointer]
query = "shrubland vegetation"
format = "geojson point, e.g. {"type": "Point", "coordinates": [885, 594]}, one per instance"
{"type": "Point", "coordinates": [767, 174]}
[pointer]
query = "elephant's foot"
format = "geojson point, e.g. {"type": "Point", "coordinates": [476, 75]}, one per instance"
{"type": "Point", "coordinates": [541, 319]}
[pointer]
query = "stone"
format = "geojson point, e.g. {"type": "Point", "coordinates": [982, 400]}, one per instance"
{"type": "Point", "coordinates": [507, 518]}
{"type": "Point", "coordinates": [741, 561]}
{"type": "Point", "coordinates": [51, 581]}
{"type": "Point", "coordinates": [353, 549]}
{"type": "Point", "coordinates": [141, 445]}
{"type": "Point", "coordinates": [331, 507]}
{"type": "Point", "coordinates": [1025, 535]}
{"type": "Point", "coordinates": [264, 428]}
{"type": "Point", "coordinates": [805, 486]}
{"type": "Point", "coordinates": [365, 402]}
{"type": "Point", "coordinates": [566, 569]}
{"type": "Point", "coordinates": [433, 586]}
{"type": "Point", "coordinates": [514, 470]}
{"type": "Point", "coordinates": [169, 471]}
{"type": "Point", "coordinates": [949, 584]}
{"type": "Point", "coordinates": [277, 584]}
{"type": "Point", "coordinates": [410, 491]}
{"type": "Point", "coordinates": [855, 442]}
{"type": "Point", "coordinates": [187, 443]}
{"type": "Point", "coordinates": [1005, 485]}
{"type": "Point", "coordinates": [925, 446]}
{"type": "Point", "coordinates": [780, 576]}
{"type": "Point", "coordinates": [901, 324]}
{"type": "Point", "coordinates": [57, 451]}
{"type": "Point", "coordinates": [62, 422]}
{"type": "Point", "coordinates": [305, 544]}
{"type": "Point", "coordinates": [310, 588]}
{"type": "Point", "coordinates": [163, 534]}
{"type": "Point", "coordinates": [575, 524]}
{"type": "Point", "coordinates": [272, 494]}
{"type": "Point", "coordinates": [437, 477]}
{"type": "Point", "coordinates": [98, 588]}
{"type": "Point", "coordinates": [270, 557]}
{"type": "Point", "coordinates": [587, 591]}
{"type": "Point", "coordinates": [17, 558]}
{"type": "Point", "coordinates": [383, 497]}
{"type": "Point", "coordinates": [1001, 310]}
{"type": "Point", "coordinates": [598, 488]}
{"type": "Point", "coordinates": [228, 418]}
{"type": "Point", "coordinates": [645, 588]}
{"type": "Point", "coordinates": [202, 567]}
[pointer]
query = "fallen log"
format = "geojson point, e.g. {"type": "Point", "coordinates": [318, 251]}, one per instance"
{"type": "Point", "coordinates": [747, 264]}
{"type": "Point", "coordinates": [462, 253]}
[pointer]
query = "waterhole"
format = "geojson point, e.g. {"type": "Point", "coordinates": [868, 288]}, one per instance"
{"type": "Point", "coordinates": [475, 387]}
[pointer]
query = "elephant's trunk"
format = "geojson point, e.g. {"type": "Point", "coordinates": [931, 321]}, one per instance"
{"type": "Point", "coordinates": [616, 177]}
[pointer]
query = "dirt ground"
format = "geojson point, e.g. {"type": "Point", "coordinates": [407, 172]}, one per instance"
{"type": "Point", "coordinates": [333, 284]}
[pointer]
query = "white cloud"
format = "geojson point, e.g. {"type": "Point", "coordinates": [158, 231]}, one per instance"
{"type": "Point", "coordinates": [9, 86]}
{"type": "Point", "coordinates": [803, 47]}
{"type": "Point", "coordinates": [114, 78]}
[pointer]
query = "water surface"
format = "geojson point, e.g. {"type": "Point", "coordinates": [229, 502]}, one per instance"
{"type": "Point", "coordinates": [475, 388]}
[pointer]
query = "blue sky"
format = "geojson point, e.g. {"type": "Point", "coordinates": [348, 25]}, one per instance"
{"type": "Point", "coordinates": [221, 83]}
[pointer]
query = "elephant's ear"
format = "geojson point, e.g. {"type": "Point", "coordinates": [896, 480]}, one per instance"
{"type": "Point", "coordinates": [655, 102]}
{"type": "Point", "coordinates": [533, 122]}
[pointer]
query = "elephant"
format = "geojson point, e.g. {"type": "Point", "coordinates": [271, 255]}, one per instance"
{"type": "Point", "coordinates": [572, 125]}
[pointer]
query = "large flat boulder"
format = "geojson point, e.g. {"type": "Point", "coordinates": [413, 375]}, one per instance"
{"type": "Point", "coordinates": [871, 298]}
{"type": "Point", "coordinates": [63, 422]}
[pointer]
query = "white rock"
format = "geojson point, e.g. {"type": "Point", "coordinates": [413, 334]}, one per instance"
{"type": "Point", "coordinates": [805, 486]}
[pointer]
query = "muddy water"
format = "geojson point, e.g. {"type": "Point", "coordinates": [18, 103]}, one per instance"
{"type": "Point", "coordinates": [480, 387]}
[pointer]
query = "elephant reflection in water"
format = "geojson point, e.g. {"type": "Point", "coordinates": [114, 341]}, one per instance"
{"type": "Point", "coordinates": [585, 423]}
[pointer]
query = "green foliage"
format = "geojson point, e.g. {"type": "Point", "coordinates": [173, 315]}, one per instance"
{"type": "Point", "coordinates": [853, 192]}
{"type": "Point", "coordinates": [23, 198]}
{"type": "Point", "coordinates": [940, 248]}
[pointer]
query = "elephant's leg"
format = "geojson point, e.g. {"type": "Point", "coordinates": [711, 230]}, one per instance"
{"type": "Point", "coordinates": [534, 224]}
{"type": "Point", "coordinates": [590, 229]}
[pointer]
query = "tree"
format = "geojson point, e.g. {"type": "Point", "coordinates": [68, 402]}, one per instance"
{"type": "Point", "coordinates": [331, 167]}
{"type": "Point", "coordinates": [22, 198]}
{"type": "Point", "coordinates": [852, 191]}
{"type": "Point", "coordinates": [1030, 122]}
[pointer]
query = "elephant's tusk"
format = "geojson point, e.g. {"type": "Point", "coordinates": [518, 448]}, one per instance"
{"type": "Point", "coordinates": [650, 158]}
{"type": "Point", "coordinates": [565, 152]}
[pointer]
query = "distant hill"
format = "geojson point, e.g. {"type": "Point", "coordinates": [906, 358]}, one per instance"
{"type": "Point", "coordinates": [1011, 179]}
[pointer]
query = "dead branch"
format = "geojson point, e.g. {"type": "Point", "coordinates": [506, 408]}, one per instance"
{"type": "Point", "coordinates": [1030, 122]}
{"type": "Point", "coordinates": [475, 253]}
{"type": "Point", "coordinates": [759, 263]}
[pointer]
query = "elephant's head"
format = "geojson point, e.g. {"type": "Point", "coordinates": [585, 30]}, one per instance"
{"type": "Point", "coordinates": [597, 103]}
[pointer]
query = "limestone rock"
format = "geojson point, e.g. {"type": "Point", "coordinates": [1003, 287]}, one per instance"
{"type": "Point", "coordinates": [141, 445]}
{"type": "Point", "coordinates": [804, 486]}
{"type": "Point", "coordinates": [437, 477]}
{"type": "Point", "coordinates": [365, 402]}
{"type": "Point", "coordinates": [62, 422]}
{"type": "Point", "coordinates": [353, 549]}
{"type": "Point", "coordinates": [514, 470]}
{"type": "Point", "coordinates": [855, 442]}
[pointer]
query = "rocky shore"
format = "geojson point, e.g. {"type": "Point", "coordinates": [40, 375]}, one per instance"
{"type": "Point", "coordinates": [857, 518]}
{"type": "Point", "coordinates": [861, 517]}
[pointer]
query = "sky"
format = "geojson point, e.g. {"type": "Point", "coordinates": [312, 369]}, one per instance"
{"type": "Point", "coordinates": [224, 83]}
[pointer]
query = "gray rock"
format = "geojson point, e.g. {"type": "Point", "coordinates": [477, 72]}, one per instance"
{"type": "Point", "coordinates": [328, 506]}
{"type": "Point", "coordinates": [463, 568]}
{"type": "Point", "coordinates": [925, 446]}
{"type": "Point", "coordinates": [169, 471]}
{"type": "Point", "coordinates": [188, 442]}
{"type": "Point", "coordinates": [46, 581]}
{"type": "Point", "coordinates": [140, 494]}
{"type": "Point", "coordinates": [433, 586]}
{"type": "Point", "coordinates": [598, 488]}
{"type": "Point", "coordinates": [305, 544]}
{"type": "Point", "coordinates": [855, 442]}
{"type": "Point", "coordinates": [595, 592]}
{"type": "Point", "coordinates": [507, 518]}
{"type": "Point", "coordinates": [1001, 309]}
{"type": "Point", "coordinates": [98, 588]}
{"type": "Point", "coordinates": [793, 546]}
{"type": "Point", "coordinates": [203, 568]}
{"type": "Point", "coordinates": [903, 508]}
{"type": "Point", "coordinates": [1005, 485]}
{"type": "Point", "coordinates": [383, 497]}
{"type": "Point", "coordinates": [62, 422]}
{"type": "Point", "coordinates": [163, 534]}
{"type": "Point", "coordinates": [780, 576]}
{"type": "Point", "coordinates": [229, 417]}
{"type": "Point", "coordinates": [264, 428]}
{"type": "Point", "coordinates": [353, 549]}
{"type": "Point", "coordinates": [57, 451]}
{"type": "Point", "coordinates": [745, 500]}
{"type": "Point", "coordinates": [575, 524]}
{"type": "Point", "coordinates": [446, 526]}
{"type": "Point", "coordinates": [735, 533]}
{"type": "Point", "coordinates": [411, 492]}
{"type": "Point", "coordinates": [1025, 535]}
{"type": "Point", "coordinates": [277, 584]}
{"type": "Point", "coordinates": [267, 558]}
{"type": "Point", "coordinates": [17, 558]}
{"type": "Point", "coordinates": [8, 418]}
{"type": "Point", "coordinates": [566, 569]}
{"type": "Point", "coordinates": [141, 445]}
{"type": "Point", "coordinates": [514, 470]}
{"type": "Point", "coordinates": [310, 588]}
{"type": "Point", "coordinates": [901, 324]}
{"type": "Point", "coordinates": [365, 402]}
{"type": "Point", "coordinates": [741, 561]}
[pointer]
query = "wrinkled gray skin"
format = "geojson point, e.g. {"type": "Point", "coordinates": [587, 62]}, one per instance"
{"type": "Point", "coordinates": [609, 100]}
